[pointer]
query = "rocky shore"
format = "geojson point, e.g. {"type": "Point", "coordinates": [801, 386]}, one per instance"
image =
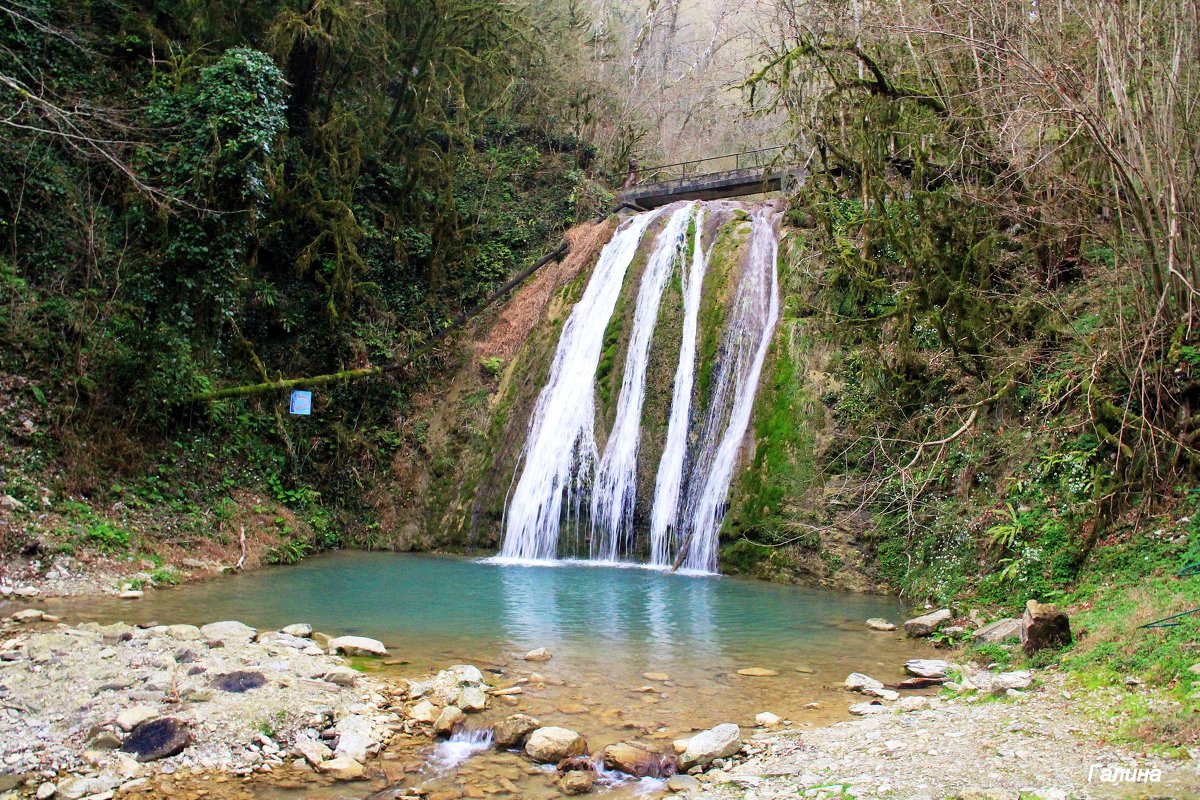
{"type": "Point", "coordinates": [92, 710]}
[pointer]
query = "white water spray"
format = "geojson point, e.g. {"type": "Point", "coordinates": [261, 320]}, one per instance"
{"type": "Point", "coordinates": [739, 363]}
{"type": "Point", "coordinates": [560, 449]}
{"type": "Point", "coordinates": [616, 478]}
{"type": "Point", "coordinates": [668, 483]}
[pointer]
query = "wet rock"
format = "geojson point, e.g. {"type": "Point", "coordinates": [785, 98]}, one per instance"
{"type": "Point", "coordinates": [472, 699]}
{"type": "Point", "coordinates": [1002, 630]}
{"type": "Point", "coordinates": [656, 676]}
{"type": "Point", "coordinates": [638, 760]}
{"type": "Point", "coordinates": [450, 716]}
{"type": "Point", "coordinates": [130, 594]}
{"type": "Point", "coordinates": [1043, 627]}
{"type": "Point", "coordinates": [719, 742]}
{"type": "Point", "coordinates": [342, 676]}
{"type": "Point", "coordinates": [883, 694]}
{"type": "Point", "coordinates": [765, 719]}
{"type": "Point", "coordinates": [342, 769]}
{"type": "Point", "coordinates": [511, 731]}
{"type": "Point", "coordinates": [228, 631]}
{"type": "Point", "coordinates": [540, 654]}
{"type": "Point", "coordinates": [927, 667]}
{"type": "Point", "coordinates": [239, 681]}
{"type": "Point", "coordinates": [857, 682]}
{"type": "Point", "coordinates": [920, 683]}
{"type": "Point", "coordinates": [301, 629]}
{"type": "Point", "coordinates": [130, 718]}
{"type": "Point", "coordinates": [357, 646]}
{"type": "Point", "coordinates": [155, 739]}
{"type": "Point", "coordinates": [573, 708]}
{"type": "Point", "coordinates": [757, 672]}
{"type": "Point", "coordinates": [928, 623]}
{"type": "Point", "coordinates": [577, 781]}
{"type": "Point", "coordinates": [551, 744]}
{"type": "Point", "coordinates": [880, 624]}
{"type": "Point", "coordinates": [683, 783]}
{"type": "Point", "coordinates": [28, 615]}
{"type": "Point", "coordinates": [804, 669]}
{"type": "Point", "coordinates": [424, 712]}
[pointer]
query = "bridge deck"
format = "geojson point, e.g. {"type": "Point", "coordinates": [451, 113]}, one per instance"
{"type": "Point", "coordinates": [717, 186]}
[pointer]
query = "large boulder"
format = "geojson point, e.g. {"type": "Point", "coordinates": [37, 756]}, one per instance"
{"type": "Point", "coordinates": [1001, 630]}
{"type": "Point", "coordinates": [228, 631]}
{"type": "Point", "coordinates": [719, 742]}
{"type": "Point", "coordinates": [551, 744]}
{"type": "Point", "coordinates": [928, 623]}
{"type": "Point", "coordinates": [638, 760]}
{"type": "Point", "coordinates": [880, 624]}
{"type": "Point", "coordinates": [357, 646]}
{"type": "Point", "coordinates": [511, 731]}
{"type": "Point", "coordinates": [1044, 627]}
{"type": "Point", "coordinates": [239, 681]}
{"type": "Point", "coordinates": [157, 738]}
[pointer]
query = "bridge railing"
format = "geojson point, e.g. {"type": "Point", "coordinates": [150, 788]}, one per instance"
{"type": "Point", "coordinates": [750, 159]}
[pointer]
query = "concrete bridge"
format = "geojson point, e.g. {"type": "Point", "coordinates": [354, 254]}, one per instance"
{"type": "Point", "coordinates": [715, 178]}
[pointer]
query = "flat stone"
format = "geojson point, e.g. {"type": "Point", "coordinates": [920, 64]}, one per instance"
{"type": "Point", "coordinates": [130, 718]}
{"type": "Point", "coordinates": [927, 623]}
{"type": "Point", "coordinates": [866, 709]}
{"type": "Point", "coordinates": [342, 769]}
{"type": "Point", "coordinates": [880, 624]}
{"type": "Point", "coordinates": [540, 654]}
{"type": "Point", "coordinates": [804, 670]}
{"type": "Point", "coordinates": [28, 591]}
{"type": "Point", "coordinates": [357, 646]}
{"type": "Point", "coordinates": [1018, 679]}
{"type": "Point", "coordinates": [682, 783]}
{"type": "Point", "coordinates": [927, 667]}
{"type": "Point", "coordinates": [656, 676]}
{"type": "Point", "coordinates": [107, 740]}
{"type": "Point", "coordinates": [130, 594]}
{"type": "Point", "coordinates": [75, 788]}
{"type": "Point", "coordinates": [239, 681]}
{"type": "Point", "coordinates": [342, 676]}
{"type": "Point", "coordinates": [573, 708]}
{"type": "Point", "coordinates": [28, 615]}
{"type": "Point", "coordinates": [757, 672]}
{"type": "Point", "coordinates": [916, 703]}
{"type": "Point", "coordinates": [185, 633]}
{"type": "Point", "coordinates": [765, 719]}
{"type": "Point", "coordinates": [155, 739]}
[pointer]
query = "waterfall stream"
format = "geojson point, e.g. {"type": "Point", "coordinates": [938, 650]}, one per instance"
{"type": "Point", "coordinates": [564, 477]}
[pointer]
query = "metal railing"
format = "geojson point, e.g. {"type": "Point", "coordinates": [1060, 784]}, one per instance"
{"type": "Point", "coordinates": [731, 162]}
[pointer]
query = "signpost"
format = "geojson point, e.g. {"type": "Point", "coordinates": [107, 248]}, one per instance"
{"type": "Point", "coordinates": [301, 404]}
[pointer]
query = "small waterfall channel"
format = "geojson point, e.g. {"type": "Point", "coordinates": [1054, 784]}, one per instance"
{"type": "Point", "coordinates": [573, 498]}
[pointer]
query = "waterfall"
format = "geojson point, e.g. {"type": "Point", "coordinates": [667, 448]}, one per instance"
{"type": "Point", "coordinates": [616, 479]}
{"type": "Point", "coordinates": [668, 483]}
{"type": "Point", "coordinates": [560, 449]}
{"type": "Point", "coordinates": [739, 362]}
{"type": "Point", "coordinates": [562, 475]}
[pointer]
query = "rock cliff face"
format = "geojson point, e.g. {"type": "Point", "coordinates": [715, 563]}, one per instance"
{"type": "Point", "coordinates": [461, 444]}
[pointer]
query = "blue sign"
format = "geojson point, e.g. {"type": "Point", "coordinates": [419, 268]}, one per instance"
{"type": "Point", "coordinates": [301, 403]}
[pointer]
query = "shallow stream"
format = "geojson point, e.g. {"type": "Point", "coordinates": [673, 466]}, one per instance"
{"type": "Point", "coordinates": [616, 633]}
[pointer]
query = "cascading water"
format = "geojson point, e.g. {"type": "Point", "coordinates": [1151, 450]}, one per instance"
{"type": "Point", "coordinates": [560, 462]}
{"type": "Point", "coordinates": [739, 364]}
{"type": "Point", "coordinates": [668, 484]}
{"type": "Point", "coordinates": [614, 487]}
{"type": "Point", "coordinates": [561, 446]}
